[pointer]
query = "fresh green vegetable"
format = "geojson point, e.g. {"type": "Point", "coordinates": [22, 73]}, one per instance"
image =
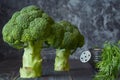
{"type": "Point", "coordinates": [109, 66]}
{"type": "Point", "coordinates": [28, 29]}
{"type": "Point", "coordinates": [65, 38]}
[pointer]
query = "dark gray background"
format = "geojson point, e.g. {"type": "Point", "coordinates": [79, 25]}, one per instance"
{"type": "Point", "coordinates": [97, 20]}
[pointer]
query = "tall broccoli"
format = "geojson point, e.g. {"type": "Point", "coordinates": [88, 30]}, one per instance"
{"type": "Point", "coordinates": [65, 37]}
{"type": "Point", "coordinates": [28, 29]}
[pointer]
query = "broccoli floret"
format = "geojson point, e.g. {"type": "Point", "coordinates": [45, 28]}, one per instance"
{"type": "Point", "coordinates": [28, 29]}
{"type": "Point", "coordinates": [72, 37]}
{"type": "Point", "coordinates": [56, 37]}
{"type": "Point", "coordinates": [65, 37]}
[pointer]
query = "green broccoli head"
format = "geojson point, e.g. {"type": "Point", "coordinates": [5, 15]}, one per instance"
{"type": "Point", "coordinates": [72, 37]}
{"type": "Point", "coordinates": [29, 24]}
{"type": "Point", "coordinates": [66, 36]}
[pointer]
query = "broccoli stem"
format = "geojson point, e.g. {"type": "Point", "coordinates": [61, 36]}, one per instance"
{"type": "Point", "coordinates": [31, 67]}
{"type": "Point", "coordinates": [62, 60]}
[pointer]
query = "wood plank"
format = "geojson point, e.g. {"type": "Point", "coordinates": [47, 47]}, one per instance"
{"type": "Point", "coordinates": [78, 71]}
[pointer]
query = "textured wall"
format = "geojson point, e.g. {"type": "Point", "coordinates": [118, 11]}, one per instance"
{"type": "Point", "coordinates": [97, 20]}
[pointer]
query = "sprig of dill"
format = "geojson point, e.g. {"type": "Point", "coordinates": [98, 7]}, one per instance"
{"type": "Point", "coordinates": [109, 66]}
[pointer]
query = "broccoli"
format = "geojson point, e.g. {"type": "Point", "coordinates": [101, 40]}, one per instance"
{"type": "Point", "coordinates": [65, 37]}
{"type": "Point", "coordinates": [28, 29]}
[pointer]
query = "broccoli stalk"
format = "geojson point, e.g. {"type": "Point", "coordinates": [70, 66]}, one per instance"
{"type": "Point", "coordinates": [62, 60]}
{"type": "Point", "coordinates": [31, 60]}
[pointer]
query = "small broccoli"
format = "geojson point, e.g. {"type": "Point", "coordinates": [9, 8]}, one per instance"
{"type": "Point", "coordinates": [65, 37]}
{"type": "Point", "coordinates": [28, 29]}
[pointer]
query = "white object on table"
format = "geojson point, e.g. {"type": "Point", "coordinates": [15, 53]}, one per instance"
{"type": "Point", "coordinates": [85, 56]}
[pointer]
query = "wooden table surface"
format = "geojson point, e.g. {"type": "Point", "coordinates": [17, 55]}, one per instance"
{"type": "Point", "coordinates": [9, 70]}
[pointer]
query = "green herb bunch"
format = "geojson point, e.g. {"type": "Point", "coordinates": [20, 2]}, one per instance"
{"type": "Point", "coordinates": [109, 66]}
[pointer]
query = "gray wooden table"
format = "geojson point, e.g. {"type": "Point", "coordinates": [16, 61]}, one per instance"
{"type": "Point", "coordinates": [9, 70]}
